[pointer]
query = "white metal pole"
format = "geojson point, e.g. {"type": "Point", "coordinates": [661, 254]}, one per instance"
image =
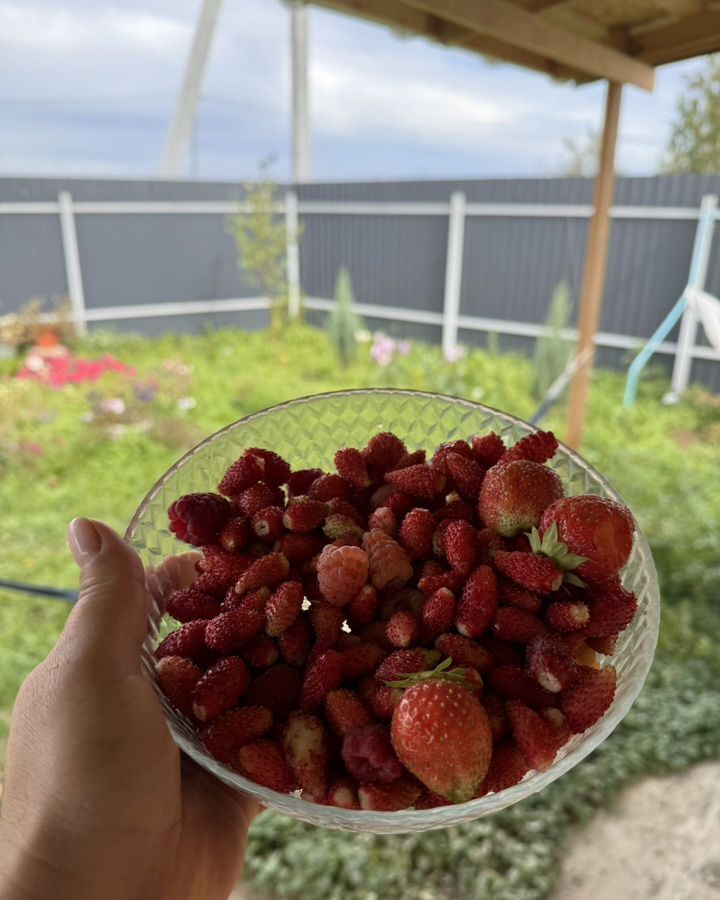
{"type": "Point", "coordinates": [301, 164]}
{"type": "Point", "coordinates": [71, 253]}
{"type": "Point", "coordinates": [184, 116]}
{"type": "Point", "coordinates": [293, 254]}
{"type": "Point", "coordinates": [696, 278]}
{"type": "Point", "coordinates": [453, 272]}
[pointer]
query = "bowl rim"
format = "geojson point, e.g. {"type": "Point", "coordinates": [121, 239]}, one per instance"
{"type": "Point", "coordinates": [437, 817]}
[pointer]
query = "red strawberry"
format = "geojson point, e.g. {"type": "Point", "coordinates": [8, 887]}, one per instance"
{"type": "Point", "coordinates": [304, 515]}
{"type": "Point", "coordinates": [299, 482]}
{"type": "Point", "coordinates": [404, 662]}
{"type": "Point", "coordinates": [467, 474]}
{"type": "Point", "coordinates": [330, 487]}
{"type": "Point", "coordinates": [298, 548]}
{"type": "Point", "coordinates": [402, 629]}
{"type": "Point", "coordinates": [220, 688]}
{"type": "Point", "coordinates": [224, 736]}
{"type": "Point", "coordinates": [534, 736]}
{"type": "Point", "coordinates": [567, 616]}
{"type": "Point", "coordinates": [259, 496]}
{"type": "Point", "coordinates": [342, 571]}
{"type": "Point", "coordinates": [369, 756]}
{"type": "Point", "coordinates": [268, 571]}
{"type": "Point", "coordinates": [538, 447]}
{"type": "Point", "coordinates": [438, 614]}
{"type": "Point", "coordinates": [362, 609]}
{"type": "Point", "coordinates": [417, 481]}
{"type": "Point", "coordinates": [345, 712]}
{"type": "Point", "coordinates": [243, 473]}
{"type": "Point", "coordinates": [383, 519]}
{"type": "Point", "coordinates": [507, 767]}
{"type": "Point", "coordinates": [495, 709]}
{"type": "Point", "coordinates": [512, 594]}
{"type": "Point", "coordinates": [399, 794]}
{"type": "Point", "coordinates": [536, 573]}
{"type": "Point", "coordinates": [261, 652]}
{"type": "Point", "coordinates": [343, 794]}
{"type": "Point", "coordinates": [323, 675]}
{"type": "Point", "coordinates": [389, 566]}
{"type": "Point", "coordinates": [190, 603]}
{"type": "Point", "coordinates": [188, 641]}
{"type": "Point", "coordinates": [487, 448]}
{"type": "Point", "coordinates": [515, 495]}
{"type": "Point", "coordinates": [235, 535]}
{"type": "Point", "coordinates": [517, 625]}
{"type": "Point", "coordinates": [611, 609]}
{"type": "Point", "coordinates": [264, 762]}
{"type": "Point", "coordinates": [198, 518]}
{"type": "Point", "coordinates": [283, 607]}
{"type": "Point", "coordinates": [267, 524]}
{"type": "Point", "coordinates": [464, 652]}
{"type": "Point", "coordinates": [588, 699]}
{"type": "Point", "coordinates": [439, 462]}
{"type": "Point", "coordinates": [351, 464]}
{"type": "Point", "coordinates": [278, 688]}
{"type": "Point", "coordinates": [177, 677]}
{"type": "Point", "coordinates": [512, 683]}
{"type": "Point", "coordinates": [383, 452]}
{"type": "Point", "coordinates": [326, 621]}
{"type": "Point", "coordinates": [478, 603]}
{"type": "Point", "coordinates": [595, 528]}
{"type": "Point", "coordinates": [551, 662]}
{"type": "Point", "coordinates": [305, 746]}
{"type": "Point", "coordinates": [460, 546]}
{"type": "Point", "coordinates": [361, 660]}
{"type": "Point", "coordinates": [441, 733]}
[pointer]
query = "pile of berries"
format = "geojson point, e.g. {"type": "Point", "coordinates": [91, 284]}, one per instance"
{"type": "Point", "coordinates": [402, 632]}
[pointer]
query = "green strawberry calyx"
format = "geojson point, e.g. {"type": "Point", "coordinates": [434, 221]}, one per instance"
{"type": "Point", "coordinates": [557, 551]}
{"type": "Point", "coordinates": [441, 672]}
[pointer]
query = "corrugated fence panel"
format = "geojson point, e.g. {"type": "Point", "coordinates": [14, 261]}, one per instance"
{"type": "Point", "coordinates": [31, 260]}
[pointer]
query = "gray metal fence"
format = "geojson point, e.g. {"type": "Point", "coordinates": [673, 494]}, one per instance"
{"type": "Point", "coordinates": [447, 261]}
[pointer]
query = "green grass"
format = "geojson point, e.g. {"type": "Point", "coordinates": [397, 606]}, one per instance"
{"type": "Point", "coordinates": [664, 460]}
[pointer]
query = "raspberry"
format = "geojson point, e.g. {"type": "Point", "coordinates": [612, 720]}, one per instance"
{"type": "Point", "coordinates": [305, 745]}
{"type": "Point", "coordinates": [338, 525]}
{"type": "Point", "coordinates": [267, 524]}
{"type": "Point", "coordinates": [294, 644]}
{"type": "Point", "coordinates": [188, 641]}
{"type": "Point", "coordinates": [439, 460]}
{"type": "Point", "coordinates": [346, 712]}
{"type": "Point", "coordinates": [368, 755]}
{"type": "Point", "coordinates": [399, 794]}
{"type": "Point", "coordinates": [235, 535]}
{"type": "Point", "coordinates": [464, 652]}
{"type": "Point", "coordinates": [342, 571]}
{"type": "Point", "coordinates": [224, 736]}
{"type": "Point", "coordinates": [304, 515]}
{"type": "Point", "coordinates": [417, 481]}
{"type": "Point", "coordinates": [362, 609]}
{"type": "Point", "coordinates": [275, 470]}
{"type": "Point", "coordinates": [460, 546]}
{"type": "Point", "coordinates": [261, 652]}
{"type": "Point", "coordinates": [567, 615]}
{"type": "Point", "coordinates": [405, 662]}
{"type": "Point", "coordinates": [352, 466]}
{"type": "Point", "coordinates": [478, 603]}
{"type": "Point", "coordinates": [242, 474]}
{"type": "Point", "coordinates": [298, 548]}
{"type": "Point", "coordinates": [551, 663]}
{"type": "Point", "coordinates": [487, 449]}
{"type": "Point", "coordinates": [587, 700]}
{"type": "Point", "coordinates": [383, 519]}
{"type": "Point", "coordinates": [416, 533]}
{"type": "Point", "coordinates": [234, 629]}
{"type": "Point", "coordinates": [512, 683]}
{"type": "Point", "coordinates": [198, 518]}
{"type": "Point", "coordinates": [330, 487]}
{"type": "Point", "coordinates": [321, 676]}
{"type": "Point", "coordinates": [438, 614]}
{"type": "Point", "coordinates": [326, 621]}
{"type": "Point", "coordinates": [538, 447]}
{"type": "Point", "coordinates": [218, 569]}
{"type": "Point", "coordinates": [513, 624]}
{"type": "Point", "coordinates": [177, 677]}
{"type": "Point", "coordinates": [283, 607]}
{"type": "Point", "coordinates": [220, 688]}
{"type": "Point", "coordinates": [495, 709]}
{"type": "Point", "coordinates": [612, 609]}
{"type": "Point", "coordinates": [507, 767]}
{"type": "Point", "coordinates": [278, 688]}
{"type": "Point", "coordinates": [534, 736]}
{"type": "Point", "coordinates": [259, 496]}
{"type": "Point", "coordinates": [512, 594]}
{"type": "Point", "coordinates": [264, 762]}
{"type": "Point", "coordinates": [343, 794]}
{"type": "Point", "coordinates": [536, 573]}
{"type": "Point", "coordinates": [466, 474]}
{"type": "Point", "coordinates": [361, 660]}
{"type": "Point", "coordinates": [383, 452]}
{"type": "Point", "coordinates": [402, 629]}
{"type": "Point", "coordinates": [268, 571]}
{"type": "Point", "coordinates": [388, 563]}
{"type": "Point", "coordinates": [300, 481]}
{"type": "Point", "coordinates": [188, 604]}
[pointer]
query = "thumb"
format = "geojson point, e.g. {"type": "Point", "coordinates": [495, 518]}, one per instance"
{"type": "Point", "coordinates": [109, 618]}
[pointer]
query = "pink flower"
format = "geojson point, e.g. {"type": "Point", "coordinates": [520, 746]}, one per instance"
{"type": "Point", "coordinates": [113, 405]}
{"type": "Point", "coordinates": [383, 350]}
{"type": "Point", "coordinates": [454, 354]}
{"type": "Point", "coordinates": [404, 348]}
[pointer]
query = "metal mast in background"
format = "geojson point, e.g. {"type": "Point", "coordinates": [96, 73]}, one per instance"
{"type": "Point", "coordinates": [301, 164]}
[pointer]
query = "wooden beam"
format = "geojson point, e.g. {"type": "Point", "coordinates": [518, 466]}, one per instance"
{"type": "Point", "coordinates": [595, 266]}
{"type": "Point", "coordinates": [535, 6]}
{"type": "Point", "coordinates": [692, 36]}
{"type": "Point", "coordinates": [392, 13]}
{"type": "Point", "coordinates": [501, 20]}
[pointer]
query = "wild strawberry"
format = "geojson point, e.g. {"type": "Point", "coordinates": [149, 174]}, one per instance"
{"type": "Point", "coordinates": [369, 756]}
{"type": "Point", "coordinates": [586, 655]}
{"type": "Point", "coordinates": [261, 652]}
{"type": "Point", "coordinates": [326, 621]}
{"type": "Point", "coordinates": [398, 503]}
{"type": "Point", "coordinates": [304, 515]}
{"type": "Point", "coordinates": [323, 675]}
{"type": "Point", "coordinates": [512, 594]}
{"type": "Point", "coordinates": [383, 519]}
{"type": "Point", "coordinates": [188, 604]}
{"type": "Point", "coordinates": [264, 762]}
{"type": "Point", "coordinates": [433, 577]}
{"type": "Point", "coordinates": [235, 535]}
{"type": "Point", "coordinates": [512, 683]}
{"type": "Point", "coordinates": [495, 709]}
{"type": "Point", "coordinates": [539, 447]}
{"type": "Point", "coordinates": [517, 625]}
{"type": "Point", "coordinates": [455, 508]}
{"type": "Point", "coordinates": [298, 548]}
{"type": "Point", "coordinates": [341, 571]}
{"type": "Point", "coordinates": [177, 677]}
{"type": "Point", "coordinates": [242, 474]}
{"type": "Point", "coordinates": [218, 569]}
{"type": "Point", "coordinates": [409, 599]}
{"type": "Point", "coordinates": [389, 565]}
{"type": "Point", "coordinates": [399, 794]}
{"type": "Point", "coordinates": [361, 660]}
{"type": "Point", "coordinates": [473, 681]}
{"type": "Point", "coordinates": [402, 629]}
{"type": "Point", "coordinates": [412, 459]}
{"type": "Point", "coordinates": [478, 603]}
{"type": "Point", "coordinates": [551, 662]}
{"type": "Point", "coordinates": [383, 452]}
{"type": "Point", "coordinates": [588, 699]}
{"type": "Point", "coordinates": [253, 599]}
{"type": "Point", "coordinates": [198, 519]}
{"type": "Point", "coordinates": [352, 465]}
{"type": "Point", "coordinates": [384, 700]}
{"type": "Point", "coordinates": [558, 722]}
{"type": "Point", "coordinates": [487, 448]}
{"type": "Point", "coordinates": [259, 496]}
{"type": "Point", "coordinates": [488, 541]}
{"type": "Point", "coordinates": [220, 688]}
{"type": "Point", "coordinates": [464, 652]}
{"type": "Point", "coordinates": [268, 571]}
{"type": "Point", "coordinates": [278, 688]}
{"type": "Point", "coordinates": [438, 538]}
{"type": "Point", "coordinates": [305, 745]}
{"type": "Point", "coordinates": [515, 495]}
{"type": "Point", "coordinates": [460, 546]}
{"type": "Point", "coordinates": [341, 507]}
{"type": "Point", "coordinates": [275, 470]}
{"type": "Point", "coordinates": [362, 609]}
{"type": "Point", "coordinates": [604, 645]}
{"type": "Point", "coordinates": [533, 735]}
{"type": "Point", "coordinates": [536, 573]}
{"type": "Point", "coordinates": [467, 475]}
{"type": "Point", "coordinates": [267, 524]}
{"type": "Point", "coordinates": [438, 614]}
{"type": "Point", "coordinates": [417, 481]}
{"type": "Point", "coordinates": [343, 794]}
{"type": "Point", "coordinates": [224, 736]}
{"type": "Point", "coordinates": [294, 644]}
{"type": "Point", "coordinates": [503, 653]}
{"type": "Point", "coordinates": [404, 662]}
{"type": "Point", "coordinates": [338, 525]}
{"type": "Point", "coordinates": [595, 528]}
{"type": "Point", "coordinates": [508, 766]}
{"type": "Point", "coordinates": [430, 800]}
{"type": "Point", "coordinates": [611, 609]}
{"type": "Point", "coordinates": [436, 712]}
{"type": "Point", "coordinates": [299, 482]}
{"type": "Point", "coordinates": [235, 628]}
{"type": "Point", "coordinates": [283, 607]}
{"type": "Point", "coordinates": [439, 461]}
{"type": "Point", "coordinates": [187, 641]}
{"type": "Point", "coordinates": [566, 616]}
{"type": "Point", "coordinates": [329, 487]}
{"type": "Point", "coordinates": [346, 712]}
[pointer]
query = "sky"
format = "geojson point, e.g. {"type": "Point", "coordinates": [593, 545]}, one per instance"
{"type": "Point", "coordinates": [87, 87]}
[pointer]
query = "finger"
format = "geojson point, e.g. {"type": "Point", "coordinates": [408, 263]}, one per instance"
{"type": "Point", "coordinates": [110, 618]}
{"type": "Point", "coordinates": [173, 573]}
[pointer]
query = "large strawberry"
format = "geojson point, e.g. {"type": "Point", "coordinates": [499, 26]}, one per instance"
{"type": "Point", "coordinates": [594, 527]}
{"type": "Point", "coordinates": [514, 495]}
{"type": "Point", "coordinates": [441, 733]}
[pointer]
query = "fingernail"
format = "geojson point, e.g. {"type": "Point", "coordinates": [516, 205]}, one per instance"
{"type": "Point", "coordinates": [83, 539]}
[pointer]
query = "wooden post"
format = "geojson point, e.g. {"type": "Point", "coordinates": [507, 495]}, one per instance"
{"type": "Point", "coordinates": [595, 265]}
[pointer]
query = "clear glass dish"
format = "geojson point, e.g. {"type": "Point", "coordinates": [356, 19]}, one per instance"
{"type": "Point", "coordinates": [307, 432]}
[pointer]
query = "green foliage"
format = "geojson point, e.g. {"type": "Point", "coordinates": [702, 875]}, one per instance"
{"type": "Point", "coordinates": [343, 322]}
{"type": "Point", "coordinates": [581, 155]}
{"type": "Point", "coordinates": [553, 350]}
{"type": "Point", "coordinates": [694, 142]}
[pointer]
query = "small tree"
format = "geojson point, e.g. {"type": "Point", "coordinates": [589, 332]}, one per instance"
{"type": "Point", "coordinates": [343, 322]}
{"type": "Point", "coordinates": [694, 142]}
{"type": "Point", "coordinates": [553, 350]}
{"type": "Point", "coordinates": [581, 155]}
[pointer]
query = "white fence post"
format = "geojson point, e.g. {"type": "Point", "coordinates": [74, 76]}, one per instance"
{"type": "Point", "coordinates": [293, 254]}
{"type": "Point", "coordinates": [696, 278]}
{"type": "Point", "coordinates": [453, 272]}
{"type": "Point", "coordinates": [72, 262]}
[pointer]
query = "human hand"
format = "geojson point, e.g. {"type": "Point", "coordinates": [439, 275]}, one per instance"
{"type": "Point", "coordinates": [98, 801]}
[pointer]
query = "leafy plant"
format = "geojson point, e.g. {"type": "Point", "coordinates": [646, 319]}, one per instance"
{"type": "Point", "coordinates": [553, 350]}
{"type": "Point", "coordinates": [694, 142]}
{"type": "Point", "coordinates": [343, 322]}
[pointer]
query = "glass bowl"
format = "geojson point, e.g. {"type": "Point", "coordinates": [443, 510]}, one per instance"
{"type": "Point", "coordinates": [307, 432]}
